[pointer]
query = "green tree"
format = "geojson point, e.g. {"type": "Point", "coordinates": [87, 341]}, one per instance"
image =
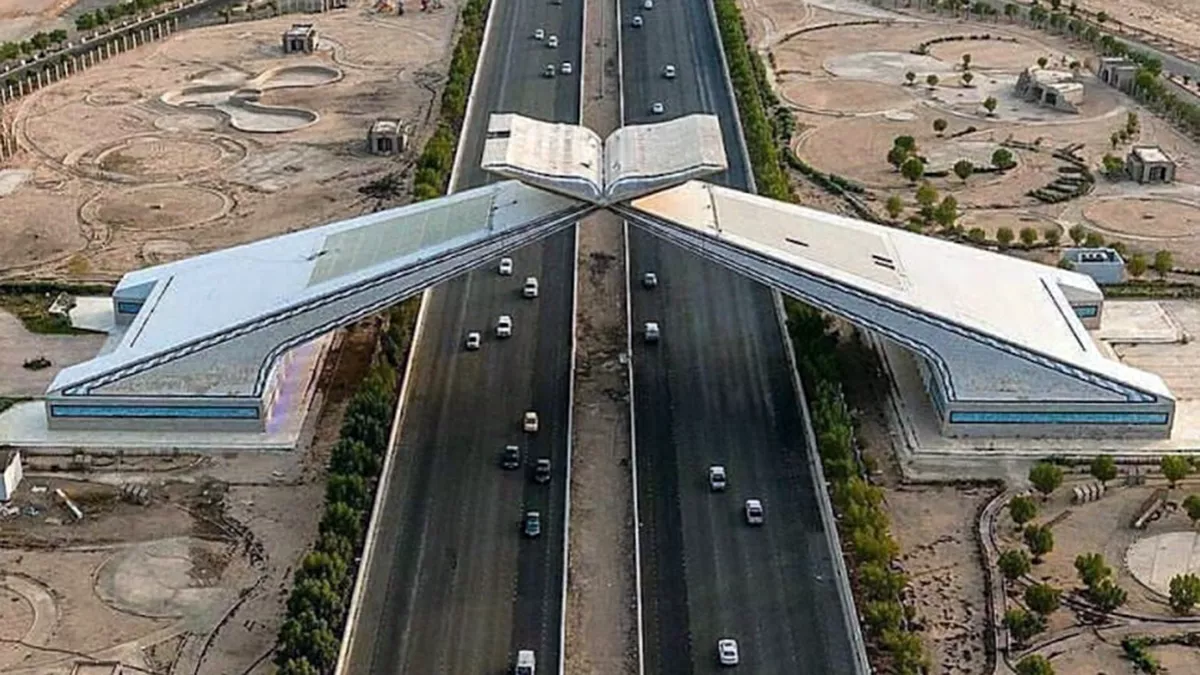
{"type": "Point", "coordinates": [883, 615]}
{"type": "Point", "coordinates": [912, 169]}
{"type": "Point", "coordinates": [1093, 240]}
{"type": "Point", "coordinates": [1091, 568]}
{"type": "Point", "coordinates": [1106, 595]}
{"type": "Point", "coordinates": [1040, 541]}
{"type": "Point", "coordinates": [1103, 468]}
{"type": "Point", "coordinates": [316, 596]}
{"type": "Point", "coordinates": [1022, 510]}
{"type": "Point", "coordinates": [1174, 468]}
{"type": "Point", "coordinates": [927, 195]}
{"type": "Point", "coordinates": [1029, 236]}
{"type": "Point", "coordinates": [1185, 592]}
{"type": "Point", "coordinates": [1045, 478]}
{"type": "Point", "coordinates": [939, 126]}
{"type": "Point", "coordinates": [1043, 598]}
{"type": "Point", "coordinates": [1164, 262]}
{"type": "Point", "coordinates": [348, 489]}
{"type": "Point", "coordinates": [977, 235]}
{"type": "Point", "coordinates": [344, 521]}
{"type": "Point", "coordinates": [298, 666]}
{"type": "Point", "coordinates": [966, 61]}
{"type": "Point", "coordinates": [1014, 564]}
{"type": "Point", "coordinates": [905, 143]}
{"type": "Point", "coordinates": [1137, 266]}
{"type": "Point", "coordinates": [1077, 233]}
{"type": "Point", "coordinates": [1114, 167]}
{"type": "Point", "coordinates": [963, 168]}
{"type": "Point", "coordinates": [946, 213]}
{"type": "Point", "coordinates": [1132, 124]}
{"type": "Point", "coordinates": [1005, 236]}
{"type": "Point", "coordinates": [908, 655]}
{"type": "Point", "coordinates": [336, 545]}
{"type": "Point", "coordinates": [990, 104]}
{"type": "Point", "coordinates": [894, 206]}
{"type": "Point", "coordinates": [967, 77]}
{"type": "Point", "coordinates": [353, 457]}
{"type": "Point", "coordinates": [931, 80]}
{"type": "Point", "coordinates": [881, 583]}
{"type": "Point", "coordinates": [897, 155]}
{"type": "Point", "coordinates": [1023, 625]}
{"type": "Point", "coordinates": [1042, 61]}
{"type": "Point", "coordinates": [1192, 506]}
{"type": "Point", "coordinates": [1052, 235]}
{"type": "Point", "coordinates": [325, 567]}
{"type": "Point", "coordinates": [1034, 664]}
{"type": "Point", "coordinates": [1002, 159]}
{"type": "Point", "coordinates": [911, 78]}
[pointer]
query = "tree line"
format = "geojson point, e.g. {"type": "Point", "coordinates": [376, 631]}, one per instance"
{"type": "Point", "coordinates": [115, 12]}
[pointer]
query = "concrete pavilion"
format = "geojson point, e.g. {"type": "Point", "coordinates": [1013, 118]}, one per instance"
{"type": "Point", "coordinates": [1001, 342]}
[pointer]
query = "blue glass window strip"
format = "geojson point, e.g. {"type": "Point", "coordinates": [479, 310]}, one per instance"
{"type": "Point", "coordinates": [129, 307]}
{"type": "Point", "coordinates": [1086, 311]}
{"type": "Point", "coordinates": [154, 412]}
{"type": "Point", "coordinates": [985, 417]}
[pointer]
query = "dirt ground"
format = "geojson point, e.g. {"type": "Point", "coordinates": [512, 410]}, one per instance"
{"type": "Point", "coordinates": [845, 84]}
{"type": "Point", "coordinates": [192, 582]}
{"type": "Point", "coordinates": [1175, 19]}
{"type": "Point", "coordinates": [21, 18]}
{"type": "Point", "coordinates": [61, 350]}
{"type": "Point", "coordinates": [112, 178]}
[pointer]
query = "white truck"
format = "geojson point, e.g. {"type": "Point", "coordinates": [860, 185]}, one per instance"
{"type": "Point", "coordinates": [526, 664]}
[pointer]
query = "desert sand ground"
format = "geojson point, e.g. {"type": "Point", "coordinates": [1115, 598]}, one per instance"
{"type": "Point", "coordinates": [21, 18]}
{"type": "Point", "coordinates": [113, 178]}
{"type": "Point", "coordinates": [846, 86]}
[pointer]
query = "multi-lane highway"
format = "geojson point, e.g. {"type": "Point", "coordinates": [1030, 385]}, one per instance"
{"type": "Point", "coordinates": [717, 390]}
{"type": "Point", "coordinates": [452, 586]}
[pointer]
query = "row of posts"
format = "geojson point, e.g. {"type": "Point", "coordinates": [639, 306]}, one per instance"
{"type": "Point", "coordinates": [55, 68]}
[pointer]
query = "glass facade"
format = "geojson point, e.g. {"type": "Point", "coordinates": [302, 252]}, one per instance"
{"type": "Point", "coordinates": [129, 307]}
{"type": "Point", "coordinates": [999, 417]}
{"type": "Point", "coordinates": [155, 412]}
{"type": "Point", "coordinates": [1086, 311]}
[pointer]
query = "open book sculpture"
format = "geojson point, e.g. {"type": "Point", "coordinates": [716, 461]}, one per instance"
{"type": "Point", "coordinates": [574, 161]}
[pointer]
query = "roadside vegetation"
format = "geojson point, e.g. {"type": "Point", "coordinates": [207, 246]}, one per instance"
{"type": "Point", "coordinates": [32, 309]}
{"type": "Point", "coordinates": [312, 631]}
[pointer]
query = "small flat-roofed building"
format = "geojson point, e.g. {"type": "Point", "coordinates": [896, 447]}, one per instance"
{"type": "Point", "coordinates": [1103, 265]}
{"type": "Point", "coordinates": [1051, 88]}
{"type": "Point", "coordinates": [387, 137]}
{"type": "Point", "coordinates": [1117, 71]}
{"type": "Point", "coordinates": [301, 38]}
{"type": "Point", "coordinates": [1149, 164]}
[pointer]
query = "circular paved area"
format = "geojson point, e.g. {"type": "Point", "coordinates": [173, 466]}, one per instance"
{"type": "Point", "coordinates": [1154, 560]}
{"type": "Point", "coordinates": [157, 207]}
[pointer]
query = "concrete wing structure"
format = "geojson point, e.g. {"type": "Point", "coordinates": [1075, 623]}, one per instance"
{"type": "Point", "coordinates": [1002, 341]}
{"type": "Point", "coordinates": [197, 339]}
{"type": "Point", "coordinates": [573, 161]}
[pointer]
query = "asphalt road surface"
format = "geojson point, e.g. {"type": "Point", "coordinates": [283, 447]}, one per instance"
{"type": "Point", "coordinates": [453, 587]}
{"type": "Point", "coordinates": [717, 390]}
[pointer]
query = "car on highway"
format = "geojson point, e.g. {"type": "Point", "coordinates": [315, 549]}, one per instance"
{"type": "Point", "coordinates": [648, 4]}
{"type": "Point", "coordinates": [530, 422]}
{"type": "Point", "coordinates": [727, 652]}
{"type": "Point", "coordinates": [651, 331]}
{"type": "Point", "coordinates": [541, 470]}
{"type": "Point", "coordinates": [637, 21]}
{"type": "Point", "coordinates": [539, 34]}
{"type": "Point", "coordinates": [526, 663]}
{"type": "Point", "coordinates": [669, 71]}
{"type": "Point", "coordinates": [566, 68]}
{"type": "Point", "coordinates": [716, 478]}
{"type": "Point", "coordinates": [504, 326]}
{"type": "Point", "coordinates": [532, 525]}
{"type": "Point", "coordinates": [506, 267]}
{"type": "Point", "coordinates": [530, 290]}
{"type": "Point", "coordinates": [650, 280]}
{"type": "Point", "coordinates": [473, 340]}
{"type": "Point", "coordinates": [552, 42]}
{"type": "Point", "coordinates": [754, 512]}
{"type": "Point", "coordinates": [548, 71]}
{"type": "Point", "coordinates": [658, 108]}
{"type": "Point", "coordinates": [512, 457]}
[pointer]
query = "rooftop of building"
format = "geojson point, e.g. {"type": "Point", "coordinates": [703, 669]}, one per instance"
{"type": "Point", "coordinates": [1093, 255]}
{"type": "Point", "coordinates": [300, 30]}
{"type": "Point", "coordinates": [1049, 76]}
{"type": "Point", "coordinates": [999, 296]}
{"type": "Point", "coordinates": [386, 126]}
{"type": "Point", "coordinates": [1150, 154]}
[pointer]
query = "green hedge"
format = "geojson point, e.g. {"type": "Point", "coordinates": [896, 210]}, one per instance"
{"type": "Point", "coordinates": [437, 159]}
{"type": "Point", "coordinates": [863, 523]}
{"type": "Point", "coordinates": [748, 75]}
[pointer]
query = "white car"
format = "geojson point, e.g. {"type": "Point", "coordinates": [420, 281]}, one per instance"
{"type": "Point", "coordinates": [552, 42]}
{"type": "Point", "coordinates": [727, 652]}
{"type": "Point", "coordinates": [754, 512]}
{"type": "Point", "coordinates": [530, 422]}
{"type": "Point", "coordinates": [504, 326]}
{"type": "Point", "coordinates": [531, 287]}
{"type": "Point", "coordinates": [652, 333]}
{"type": "Point", "coordinates": [648, 4]}
{"type": "Point", "coordinates": [637, 21]}
{"type": "Point", "coordinates": [650, 280]}
{"type": "Point", "coordinates": [566, 68]}
{"type": "Point", "coordinates": [657, 108]}
{"type": "Point", "coordinates": [669, 71]}
{"type": "Point", "coordinates": [549, 70]}
{"type": "Point", "coordinates": [473, 340]}
{"type": "Point", "coordinates": [506, 267]}
{"type": "Point", "coordinates": [539, 34]}
{"type": "Point", "coordinates": [716, 478]}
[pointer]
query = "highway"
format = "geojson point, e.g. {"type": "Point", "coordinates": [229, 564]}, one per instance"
{"type": "Point", "coordinates": [452, 586]}
{"type": "Point", "coordinates": [717, 390]}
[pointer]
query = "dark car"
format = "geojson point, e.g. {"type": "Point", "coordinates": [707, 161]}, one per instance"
{"type": "Point", "coordinates": [541, 471]}
{"type": "Point", "coordinates": [512, 457]}
{"type": "Point", "coordinates": [533, 524]}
